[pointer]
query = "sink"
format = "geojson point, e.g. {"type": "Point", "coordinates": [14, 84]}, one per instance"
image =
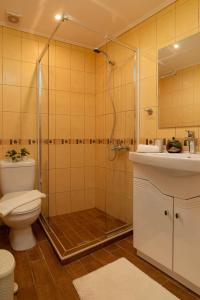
{"type": "Point", "coordinates": [184, 162]}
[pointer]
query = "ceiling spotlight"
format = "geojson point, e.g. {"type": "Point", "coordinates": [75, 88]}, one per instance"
{"type": "Point", "coordinates": [176, 46]}
{"type": "Point", "coordinates": [58, 17]}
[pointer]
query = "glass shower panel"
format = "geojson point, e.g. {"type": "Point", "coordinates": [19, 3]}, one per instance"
{"type": "Point", "coordinates": [43, 130]}
{"type": "Point", "coordinates": [118, 170]}
{"type": "Point", "coordinates": [88, 185]}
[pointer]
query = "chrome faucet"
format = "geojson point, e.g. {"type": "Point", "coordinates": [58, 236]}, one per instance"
{"type": "Point", "coordinates": [192, 142]}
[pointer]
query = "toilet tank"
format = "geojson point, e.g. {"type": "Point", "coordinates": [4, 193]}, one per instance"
{"type": "Point", "coordinates": [17, 176]}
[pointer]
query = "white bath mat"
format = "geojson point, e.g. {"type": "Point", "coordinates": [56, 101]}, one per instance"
{"type": "Point", "coordinates": [120, 280]}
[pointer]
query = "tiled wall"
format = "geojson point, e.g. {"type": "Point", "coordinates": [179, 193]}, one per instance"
{"type": "Point", "coordinates": [18, 53]}
{"type": "Point", "coordinates": [179, 98]}
{"type": "Point", "coordinates": [175, 22]}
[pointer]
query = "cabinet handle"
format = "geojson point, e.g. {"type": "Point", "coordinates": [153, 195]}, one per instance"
{"type": "Point", "coordinates": [166, 212]}
{"type": "Point", "coordinates": [176, 215]}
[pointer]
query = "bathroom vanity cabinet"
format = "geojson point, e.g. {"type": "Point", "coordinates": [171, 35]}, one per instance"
{"type": "Point", "coordinates": [167, 221]}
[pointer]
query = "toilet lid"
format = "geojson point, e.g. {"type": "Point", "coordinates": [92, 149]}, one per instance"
{"type": "Point", "coordinates": [25, 208]}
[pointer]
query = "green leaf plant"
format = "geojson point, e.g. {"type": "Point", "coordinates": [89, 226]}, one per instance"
{"type": "Point", "coordinates": [15, 156]}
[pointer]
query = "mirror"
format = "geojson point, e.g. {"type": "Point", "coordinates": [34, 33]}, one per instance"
{"type": "Point", "coordinates": [179, 83]}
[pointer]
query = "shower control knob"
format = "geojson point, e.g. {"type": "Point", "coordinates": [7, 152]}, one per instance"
{"type": "Point", "coordinates": [176, 215]}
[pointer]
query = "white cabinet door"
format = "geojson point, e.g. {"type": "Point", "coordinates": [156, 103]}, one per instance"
{"type": "Point", "coordinates": [187, 239]}
{"type": "Point", "coordinates": [153, 222]}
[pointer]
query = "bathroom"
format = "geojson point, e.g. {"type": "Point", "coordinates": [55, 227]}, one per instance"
{"type": "Point", "coordinates": [79, 92]}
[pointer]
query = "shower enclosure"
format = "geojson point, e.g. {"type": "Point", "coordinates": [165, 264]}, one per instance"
{"type": "Point", "coordinates": [86, 106]}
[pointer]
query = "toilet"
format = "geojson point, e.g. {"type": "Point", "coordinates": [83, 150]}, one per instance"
{"type": "Point", "coordinates": [16, 178]}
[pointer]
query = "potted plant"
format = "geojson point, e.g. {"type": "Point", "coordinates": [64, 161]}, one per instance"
{"type": "Point", "coordinates": [15, 156]}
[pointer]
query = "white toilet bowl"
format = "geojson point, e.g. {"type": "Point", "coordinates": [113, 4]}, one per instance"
{"type": "Point", "coordinates": [20, 221]}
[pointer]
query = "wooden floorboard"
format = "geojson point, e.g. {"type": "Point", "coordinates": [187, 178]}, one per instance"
{"type": "Point", "coordinates": [41, 276]}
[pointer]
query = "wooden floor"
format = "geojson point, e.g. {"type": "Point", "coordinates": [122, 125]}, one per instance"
{"type": "Point", "coordinates": [73, 231]}
{"type": "Point", "coordinates": [41, 276]}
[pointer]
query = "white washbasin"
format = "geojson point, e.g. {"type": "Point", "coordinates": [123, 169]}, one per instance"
{"type": "Point", "coordinates": [184, 162]}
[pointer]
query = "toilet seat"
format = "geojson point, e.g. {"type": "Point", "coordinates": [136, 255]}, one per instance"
{"type": "Point", "coordinates": [25, 208]}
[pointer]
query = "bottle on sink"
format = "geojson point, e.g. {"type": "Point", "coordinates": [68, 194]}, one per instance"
{"type": "Point", "coordinates": [174, 146]}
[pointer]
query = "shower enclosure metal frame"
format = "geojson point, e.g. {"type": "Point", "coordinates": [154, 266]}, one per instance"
{"type": "Point", "coordinates": [39, 121]}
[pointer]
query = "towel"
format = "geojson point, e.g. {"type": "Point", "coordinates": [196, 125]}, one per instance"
{"type": "Point", "coordinates": [148, 148]}
{"type": "Point", "coordinates": [6, 206]}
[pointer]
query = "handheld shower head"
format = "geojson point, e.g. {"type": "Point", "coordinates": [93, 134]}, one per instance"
{"type": "Point", "coordinates": [97, 50]}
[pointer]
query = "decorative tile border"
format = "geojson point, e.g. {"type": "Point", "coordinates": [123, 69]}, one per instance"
{"type": "Point", "coordinates": [149, 141]}
{"type": "Point", "coordinates": [84, 141]}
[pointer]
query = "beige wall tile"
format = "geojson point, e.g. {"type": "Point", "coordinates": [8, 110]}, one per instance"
{"type": "Point", "coordinates": [11, 98]}
{"type": "Point", "coordinates": [90, 198]}
{"type": "Point", "coordinates": [11, 72]}
{"type": "Point", "coordinates": [28, 125]}
{"type": "Point", "coordinates": [29, 50]}
{"type": "Point", "coordinates": [11, 125]}
{"type": "Point", "coordinates": [89, 177]}
{"type": "Point", "coordinates": [148, 92]}
{"type": "Point", "coordinates": [77, 81]}
{"type": "Point", "coordinates": [100, 103]}
{"type": "Point", "coordinates": [1, 71]}
{"type": "Point", "coordinates": [62, 126]}
{"type": "Point", "coordinates": [11, 45]}
{"type": "Point", "coordinates": [166, 26]}
{"type": "Point", "coordinates": [77, 126]}
{"type": "Point", "coordinates": [77, 106]}
{"type": "Point", "coordinates": [77, 178]}
{"type": "Point", "coordinates": [62, 180]}
{"type": "Point", "coordinates": [1, 99]}
{"type": "Point", "coordinates": [52, 126]}
{"type": "Point", "coordinates": [62, 56]}
{"type": "Point", "coordinates": [89, 83]}
{"type": "Point", "coordinates": [147, 34]}
{"type": "Point", "coordinates": [77, 155]}
{"type": "Point", "coordinates": [89, 155]}
{"type": "Point", "coordinates": [28, 99]}
{"type": "Point", "coordinates": [62, 102]}
{"type": "Point", "coordinates": [147, 64]}
{"type": "Point", "coordinates": [77, 200]}
{"type": "Point", "coordinates": [90, 104]}
{"type": "Point", "coordinates": [90, 63]}
{"type": "Point", "coordinates": [89, 127]}
{"type": "Point", "coordinates": [187, 14]}
{"type": "Point", "coordinates": [62, 77]}
{"type": "Point", "coordinates": [28, 74]}
{"type": "Point", "coordinates": [52, 205]}
{"type": "Point", "coordinates": [62, 158]}
{"type": "Point", "coordinates": [77, 60]}
{"type": "Point", "coordinates": [62, 203]}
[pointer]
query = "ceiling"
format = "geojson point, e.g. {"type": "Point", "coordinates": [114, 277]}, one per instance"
{"type": "Point", "coordinates": [171, 59]}
{"type": "Point", "coordinates": [111, 17]}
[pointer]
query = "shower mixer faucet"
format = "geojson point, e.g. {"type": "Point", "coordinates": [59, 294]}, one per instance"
{"type": "Point", "coordinates": [120, 147]}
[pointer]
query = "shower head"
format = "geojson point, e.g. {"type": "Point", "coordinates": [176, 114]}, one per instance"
{"type": "Point", "coordinates": [97, 50]}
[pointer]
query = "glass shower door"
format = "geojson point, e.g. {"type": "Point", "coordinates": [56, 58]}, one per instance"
{"type": "Point", "coordinates": [118, 169]}
{"type": "Point", "coordinates": [43, 130]}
